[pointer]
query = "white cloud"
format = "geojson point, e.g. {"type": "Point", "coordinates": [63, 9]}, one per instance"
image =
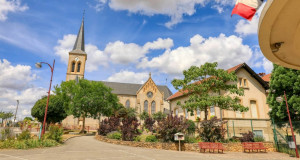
{"type": "Point", "coordinates": [15, 77]}
{"type": "Point", "coordinates": [16, 84]}
{"type": "Point", "coordinates": [95, 58]}
{"type": "Point", "coordinates": [227, 51]}
{"type": "Point", "coordinates": [122, 53]}
{"type": "Point", "coordinates": [268, 66]}
{"type": "Point", "coordinates": [245, 27]}
{"type": "Point", "coordinates": [7, 6]}
{"type": "Point", "coordinates": [175, 9]}
{"type": "Point", "coordinates": [129, 77]}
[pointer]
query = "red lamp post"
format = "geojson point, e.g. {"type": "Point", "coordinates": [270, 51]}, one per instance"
{"type": "Point", "coordinates": [280, 99]}
{"type": "Point", "coordinates": [39, 65]}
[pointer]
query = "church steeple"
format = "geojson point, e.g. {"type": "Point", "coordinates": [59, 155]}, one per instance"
{"type": "Point", "coordinates": [77, 57]}
{"type": "Point", "coordinates": [79, 44]}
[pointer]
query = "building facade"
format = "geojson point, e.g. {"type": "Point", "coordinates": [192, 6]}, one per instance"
{"type": "Point", "coordinates": [147, 97]}
{"type": "Point", "coordinates": [256, 119]}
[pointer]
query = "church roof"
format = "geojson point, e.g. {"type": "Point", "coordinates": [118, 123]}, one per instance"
{"type": "Point", "coordinates": [79, 44]}
{"type": "Point", "coordinates": [131, 89]}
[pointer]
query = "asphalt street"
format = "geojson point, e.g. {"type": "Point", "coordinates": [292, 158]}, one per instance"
{"type": "Point", "coordinates": [88, 148]}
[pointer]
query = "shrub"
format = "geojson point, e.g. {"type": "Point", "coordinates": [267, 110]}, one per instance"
{"type": "Point", "coordinates": [247, 137]}
{"type": "Point", "coordinates": [24, 135]}
{"type": "Point", "coordinates": [158, 116]}
{"type": "Point", "coordinates": [7, 133]}
{"type": "Point", "coordinates": [169, 126]}
{"type": "Point", "coordinates": [114, 135]}
{"type": "Point", "coordinates": [191, 127]}
{"type": "Point", "coordinates": [149, 123]}
{"type": "Point", "coordinates": [259, 139]}
{"type": "Point", "coordinates": [109, 125]}
{"type": "Point", "coordinates": [129, 128]}
{"type": "Point", "coordinates": [190, 139]}
{"type": "Point", "coordinates": [144, 115]}
{"type": "Point", "coordinates": [137, 138]}
{"type": "Point", "coordinates": [212, 130]}
{"type": "Point", "coordinates": [151, 138]}
{"type": "Point", "coordinates": [55, 133]}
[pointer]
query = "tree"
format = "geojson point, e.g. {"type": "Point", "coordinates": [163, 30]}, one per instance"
{"type": "Point", "coordinates": [158, 116]}
{"type": "Point", "coordinates": [204, 86]}
{"type": "Point", "coordinates": [144, 115]}
{"type": "Point", "coordinates": [28, 119]}
{"type": "Point", "coordinates": [56, 112]}
{"type": "Point", "coordinates": [288, 80]}
{"type": "Point", "coordinates": [5, 115]}
{"type": "Point", "coordinates": [87, 99]}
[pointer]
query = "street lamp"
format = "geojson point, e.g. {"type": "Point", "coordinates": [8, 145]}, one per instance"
{"type": "Point", "coordinates": [16, 111]}
{"type": "Point", "coordinates": [280, 99]}
{"type": "Point", "coordinates": [39, 65]}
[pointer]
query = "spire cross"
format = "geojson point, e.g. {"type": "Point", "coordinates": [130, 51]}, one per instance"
{"type": "Point", "coordinates": [83, 14]}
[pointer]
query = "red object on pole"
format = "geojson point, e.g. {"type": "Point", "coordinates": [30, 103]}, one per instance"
{"type": "Point", "coordinates": [45, 117]}
{"type": "Point", "coordinates": [287, 108]}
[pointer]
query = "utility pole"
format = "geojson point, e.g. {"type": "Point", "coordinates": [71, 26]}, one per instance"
{"type": "Point", "coordinates": [16, 111]}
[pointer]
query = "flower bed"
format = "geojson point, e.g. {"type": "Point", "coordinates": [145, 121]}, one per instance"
{"type": "Point", "coordinates": [229, 147]}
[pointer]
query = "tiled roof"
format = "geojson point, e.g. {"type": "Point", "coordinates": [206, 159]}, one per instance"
{"type": "Point", "coordinates": [267, 77]}
{"type": "Point", "coordinates": [131, 89]}
{"type": "Point", "coordinates": [233, 69]}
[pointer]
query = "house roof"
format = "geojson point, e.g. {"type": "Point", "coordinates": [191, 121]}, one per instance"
{"type": "Point", "coordinates": [132, 89]}
{"type": "Point", "coordinates": [230, 70]}
{"type": "Point", "coordinates": [267, 77]}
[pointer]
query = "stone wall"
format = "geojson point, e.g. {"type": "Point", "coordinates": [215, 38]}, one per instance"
{"type": "Point", "coordinates": [229, 147]}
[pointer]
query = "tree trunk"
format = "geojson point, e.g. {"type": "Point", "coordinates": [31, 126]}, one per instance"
{"type": "Point", "coordinates": [206, 114]}
{"type": "Point", "coordinates": [83, 125]}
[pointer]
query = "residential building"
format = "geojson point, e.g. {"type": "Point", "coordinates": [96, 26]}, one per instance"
{"type": "Point", "coordinates": [255, 98]}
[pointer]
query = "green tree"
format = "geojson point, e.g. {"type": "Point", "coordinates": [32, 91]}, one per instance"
{"type": "Point", "coordinates": [288, 80]}
{"type": "Point", "coordinates": [28, 118]}
{"type": "Point", "coordinates": [158, 116]}
{"type": "Point", "coordinates": [204, 86]}
{"type": "Point", "coordinates": [56, 112]}
{"type": "Point", "coordinates": [144, 115]}
{"type": "Point", "coordinates": [87, 99]}
{"type": "Point", "coordinates": [5, 115]}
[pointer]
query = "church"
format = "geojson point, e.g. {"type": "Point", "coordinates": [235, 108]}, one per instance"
{"type": "Point", "coordinates": [147, 97]}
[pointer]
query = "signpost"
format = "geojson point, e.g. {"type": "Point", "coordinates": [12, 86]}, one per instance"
{"type": "Point", "coordinates": [179, 137]}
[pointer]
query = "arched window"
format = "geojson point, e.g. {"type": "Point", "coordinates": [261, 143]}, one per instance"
{"type": "Point", "coordinates": [146, 106]}
{"type": "Point", "coordinates": [127, 104]}
{"type": "Point", "coordinates": [153, 107]}
{"type": "Point", "coordinates": [78, 66]}
{"type": "Point", "coordinates": [73, 67]}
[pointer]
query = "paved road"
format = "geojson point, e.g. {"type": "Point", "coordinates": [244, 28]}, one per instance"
{"type": "Point", "coordinates": [87, 148]}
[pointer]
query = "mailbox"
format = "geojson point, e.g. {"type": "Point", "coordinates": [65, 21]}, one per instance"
{"type": "Point", "coordinates": [179, 137]}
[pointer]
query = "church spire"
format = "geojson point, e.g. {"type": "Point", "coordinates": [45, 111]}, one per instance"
{"type": "Point", "coordinates": [79, 44]}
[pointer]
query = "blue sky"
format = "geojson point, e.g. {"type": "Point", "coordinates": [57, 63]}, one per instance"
{"type": "Point", "coordinates": [125, 40]}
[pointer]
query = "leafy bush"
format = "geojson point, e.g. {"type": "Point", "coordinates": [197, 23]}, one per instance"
{"type": "Point", "coordinates": [125, 112]}
{"type": "Point", "coordinates": [259, 139]}
{"type": "Point", "coordinates": [144, 115]}
{"type": "Point", "coordinates": [247, 137]}
{"type": "Point", "coordinates": [129, 128]}
{"type": "Point", "coordinates": [137, 138]}
{"type": "Point", "coordinates": [26, 144]}
{"type": "Point", "coordinates": [169, 126]}
{"type": "Point", "coordinates": [109, 125]}
{"type": "Point", "coordinates": [158, 116]}
{"type": "Point", "coordinates": [55, 133]}
{"type": "Point", "coordinates": [212, 130]}
{"type": "Point", "coordinates": [24, 135]}
{"type": "Point", "coordinates": [7, 133]}
{"type": "Point", "coordinates": [191, 139]}
{"type": "Point", "coordinates": [191, 127]}
{"type": "Point", "coordinates": [151, 138]}
{"type": "Point", "coordinates": [114, 135]}
{"type": "Point", "coordinates": [149, 123]}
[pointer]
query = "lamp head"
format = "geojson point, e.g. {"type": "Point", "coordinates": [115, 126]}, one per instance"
{"type": "Point", "coordinates": [38, 65]}
{"type": "Point", "coordinates": [279, 99]}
